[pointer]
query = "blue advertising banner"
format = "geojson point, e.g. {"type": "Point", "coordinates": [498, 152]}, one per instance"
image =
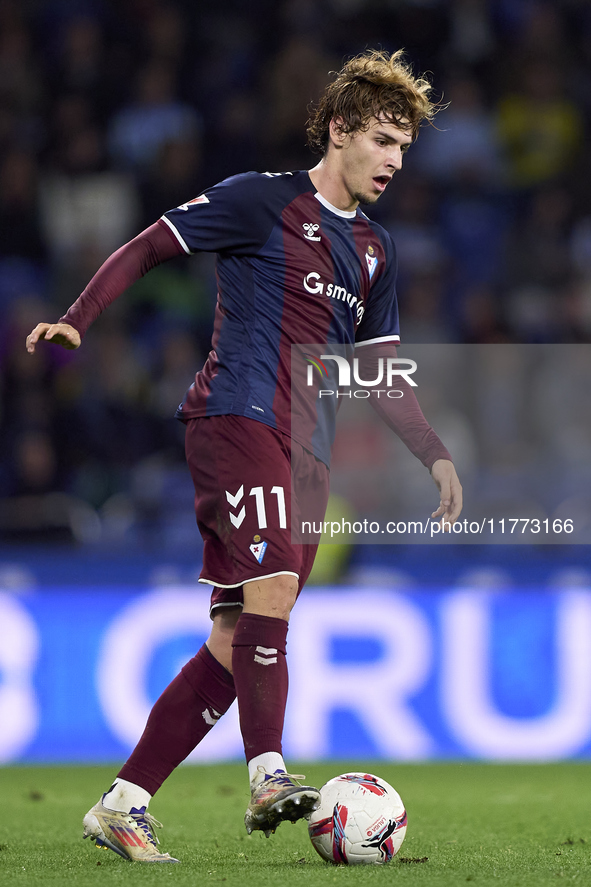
{"type": "Point", "coordinates": [437, 673]}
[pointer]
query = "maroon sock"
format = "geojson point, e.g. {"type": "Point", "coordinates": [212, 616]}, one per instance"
{"type": "Point", "coordinates": [260, 677]}
{"type": "Point", "coordinates": [185, 712]}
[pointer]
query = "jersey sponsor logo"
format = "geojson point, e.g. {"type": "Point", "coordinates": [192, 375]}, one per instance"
{"type": "Point", "coordinates": [201, 199]}
{"type": "Point", "coordinates": [310, 230]}
{"type": "Point", "coordinates": [314, 284]}
{"type": "Point", "coordinates": [372, 260]}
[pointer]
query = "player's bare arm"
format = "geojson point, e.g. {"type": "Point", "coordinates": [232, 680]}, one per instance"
{"type": "Point", "coordinates": [59, 333]}
{"type": "Point", "coordinates": [446, 479]}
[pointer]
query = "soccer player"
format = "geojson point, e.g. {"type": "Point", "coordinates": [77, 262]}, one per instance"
{"type": "Point", "coordinates": [298, 263]}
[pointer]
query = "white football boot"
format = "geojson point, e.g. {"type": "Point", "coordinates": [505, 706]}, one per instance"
{"type": "Point", "coordinates": [131, 835]}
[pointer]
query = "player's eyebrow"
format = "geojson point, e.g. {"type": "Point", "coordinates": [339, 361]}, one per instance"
{"type": "Point", "coordinates": [393, 140]}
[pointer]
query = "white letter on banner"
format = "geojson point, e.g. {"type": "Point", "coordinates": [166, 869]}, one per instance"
{"type": "Point", "coordinates": [19, 648]}
{"type": "Point", "coordinates": [377, 692]}
{"type": "Point", "coordinates": [124, 658]}
{"type": "Point", "coordinates": [466, 700]}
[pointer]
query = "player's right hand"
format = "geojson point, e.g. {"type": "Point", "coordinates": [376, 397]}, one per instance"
{"type": "Point", "coordinates": [61, 333]}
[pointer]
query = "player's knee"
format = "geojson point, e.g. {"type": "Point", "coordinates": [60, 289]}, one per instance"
{"type": "Point", "coordinates": [271, 597]}
{"type": "Point", "coordinates": [284, 593]}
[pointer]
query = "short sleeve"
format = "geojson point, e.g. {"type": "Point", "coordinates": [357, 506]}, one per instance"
{"type": "Point", "coordinates": [229, 217]}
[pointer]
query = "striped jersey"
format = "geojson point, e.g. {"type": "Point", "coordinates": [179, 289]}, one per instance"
{"type": "Point", "coordinates": [296, 276]}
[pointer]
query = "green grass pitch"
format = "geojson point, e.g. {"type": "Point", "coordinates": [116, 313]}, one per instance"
{"type": "Point", "coordinates": [476, 824]}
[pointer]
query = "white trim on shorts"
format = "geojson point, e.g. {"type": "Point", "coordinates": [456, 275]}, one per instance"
{"type": "Point", "coordinates": [214, 607]}
{"type": "Point", "coordinates": [254, 579]}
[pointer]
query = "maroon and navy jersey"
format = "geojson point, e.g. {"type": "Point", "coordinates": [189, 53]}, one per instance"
{"type": "Point", "coordinates": [292, 270]}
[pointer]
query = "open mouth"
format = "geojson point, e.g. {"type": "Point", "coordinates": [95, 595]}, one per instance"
{"type": "Point", "coordinates": [381, 182]}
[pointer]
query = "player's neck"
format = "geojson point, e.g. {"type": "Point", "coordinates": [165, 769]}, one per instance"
{"type": "Point", "coordinates": [329, 183]}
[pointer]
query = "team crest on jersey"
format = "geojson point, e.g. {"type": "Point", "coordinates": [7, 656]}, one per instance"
{"type": "Point", "coordinates": [258, 550]}
{"type": "Point", "coordinates": [201, 199]}
{"type": "Point", "coordinates": [372, 260]}
{"type": "Point", "coordinates": [310, 230]}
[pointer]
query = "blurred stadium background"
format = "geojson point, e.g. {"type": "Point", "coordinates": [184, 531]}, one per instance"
{"type": "Point", "coordinates": [111, 113]}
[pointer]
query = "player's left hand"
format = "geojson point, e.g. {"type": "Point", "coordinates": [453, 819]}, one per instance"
{"type": "Point", "coordinates": [444, 474]}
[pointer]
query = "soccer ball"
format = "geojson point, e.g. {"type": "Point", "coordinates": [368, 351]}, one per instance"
{"type": "Point", "coordinates": [361, 820]}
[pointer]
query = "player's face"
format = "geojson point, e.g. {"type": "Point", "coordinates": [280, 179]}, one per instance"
{"type": "Point", "coordinates": [369, 159]}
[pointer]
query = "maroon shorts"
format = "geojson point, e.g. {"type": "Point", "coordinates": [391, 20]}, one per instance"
{"type": "Point", "coordinates": [253, 489]}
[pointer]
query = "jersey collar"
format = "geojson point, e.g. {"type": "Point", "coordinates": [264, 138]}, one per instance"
{"type": "Point", "coordinates": [343, 213]}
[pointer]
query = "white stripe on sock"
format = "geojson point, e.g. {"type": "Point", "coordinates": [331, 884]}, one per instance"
{"type": "Point", "coordinates": [262, 661]}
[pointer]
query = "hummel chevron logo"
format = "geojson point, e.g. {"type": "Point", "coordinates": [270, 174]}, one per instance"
{"type": "Point", "coordinates": [265, 655]}
{"type": "Point", "coordinates": [210, 716]}
{"type": "Point", "coordinates": [234, 500]}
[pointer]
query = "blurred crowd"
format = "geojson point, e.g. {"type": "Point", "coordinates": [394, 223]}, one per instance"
{"type": "Point", "coordinates": [112, 113]}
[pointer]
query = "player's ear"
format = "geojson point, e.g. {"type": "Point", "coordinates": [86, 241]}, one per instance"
{"type": "Point", "coordinates": [337, 136]}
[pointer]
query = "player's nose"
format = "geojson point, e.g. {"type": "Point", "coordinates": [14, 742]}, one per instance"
{"type": "Point", "coordinates": [397, 158]}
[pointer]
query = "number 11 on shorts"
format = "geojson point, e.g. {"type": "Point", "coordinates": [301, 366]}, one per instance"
{"type": "Point", "coordinates": [259, 497]}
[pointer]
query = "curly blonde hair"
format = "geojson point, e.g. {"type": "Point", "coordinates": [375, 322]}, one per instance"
{"type": "Point", "coordinates": [377, 85]}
